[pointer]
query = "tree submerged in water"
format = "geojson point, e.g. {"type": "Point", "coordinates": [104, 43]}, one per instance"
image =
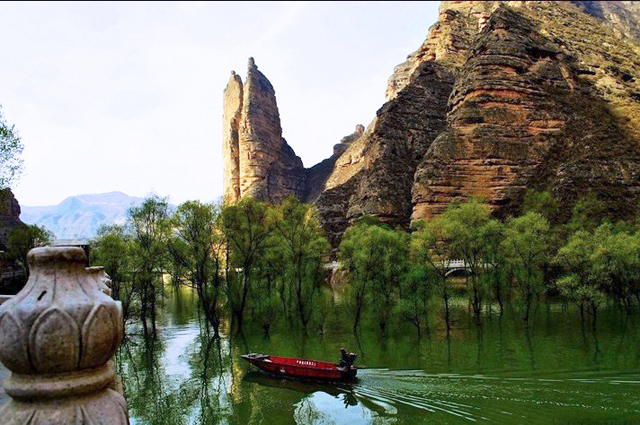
{"type": "Point", "coordinates": [197, 246]}
{"type": "Point", "coordinates": [375, 257]}
{"type": "Point", "coordinates": [267, 264]}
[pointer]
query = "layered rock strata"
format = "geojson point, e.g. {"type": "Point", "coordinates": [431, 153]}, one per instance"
{"type": "Point", "coordinates": [258, 162]}
{"type": "Point", "coordinates": [316, 176]}
{"type": "Point", "coordinates": [375, 174]}
{"type": "Point", "coordinates": [527, 112]}
{"type": "Point", "coordinates": [501, 97]}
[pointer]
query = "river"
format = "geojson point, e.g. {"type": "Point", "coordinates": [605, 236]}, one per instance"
{"type": "Point", "coordinates": [556, 372]}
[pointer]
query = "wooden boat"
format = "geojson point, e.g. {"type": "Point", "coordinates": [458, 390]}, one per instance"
{"type": "Point", "coordinates": [301, 368]}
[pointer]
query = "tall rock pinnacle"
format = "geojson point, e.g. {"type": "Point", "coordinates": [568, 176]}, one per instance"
{"type": "Point", "coordinates": [502, 97]}
{"type": "Point", "coordinates": [230, 138]}
{"type": "Point", "coordinates": [258, 162]}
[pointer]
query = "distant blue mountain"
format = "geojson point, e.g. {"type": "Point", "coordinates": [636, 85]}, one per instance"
{"type": "Point", "coordinates": [79, 217]}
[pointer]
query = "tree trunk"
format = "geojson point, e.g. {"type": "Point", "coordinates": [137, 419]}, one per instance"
{"type": "Point", "coordinates": [357, 317]}
{"type": "Point", "coordinates": [447, 317]}
{"type": "Point", "coordinates": [527, 310]}
{"type": "Point", "coordinates": [477, 305]}
{"type": "Point", "coordinates": [498, 288]}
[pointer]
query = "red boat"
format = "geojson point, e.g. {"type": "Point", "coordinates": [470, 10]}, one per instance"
{"type": "Point", "coordinates": [304, 368]}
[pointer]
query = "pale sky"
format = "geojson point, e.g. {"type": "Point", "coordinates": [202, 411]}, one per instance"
{"type": "Point", "coordinates": [128, 96]}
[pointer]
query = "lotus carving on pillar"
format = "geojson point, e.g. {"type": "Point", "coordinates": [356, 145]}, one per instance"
{"type": "Point", "coordinates": [57, 337]}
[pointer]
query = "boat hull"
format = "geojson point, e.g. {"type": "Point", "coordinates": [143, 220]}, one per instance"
{"type": "Point", "coordinates": [301, 368]}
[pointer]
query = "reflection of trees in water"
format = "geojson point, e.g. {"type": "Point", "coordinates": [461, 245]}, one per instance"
{"type": "Point", "coordinates": [307, 413]}
{"type": "Point", "coordinates": [211, 376]}
{"type": "Point", "coordinates": [212, 384]}
{"type": "Point", "coordinates": [151, 393]}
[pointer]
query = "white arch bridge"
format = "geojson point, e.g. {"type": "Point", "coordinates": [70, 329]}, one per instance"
{"type": "Point", "coordinates": [451, 266]}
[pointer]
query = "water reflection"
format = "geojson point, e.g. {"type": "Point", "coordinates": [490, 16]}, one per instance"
{"type": "Point", "coordinates": [321, 407]}
{"type": "Point", "coordinates": [500, 373]}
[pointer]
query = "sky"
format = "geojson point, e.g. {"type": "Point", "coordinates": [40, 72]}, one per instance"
{"type": "Point", "coordinates": [127, 96]}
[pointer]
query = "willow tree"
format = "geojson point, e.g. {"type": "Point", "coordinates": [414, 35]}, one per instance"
{"type": "Point", "coordinates": [617, 262]}
{"type": "Point", "coordinates": [305, 251]}
{"type": "Point", "coordinates": [469, 228]}
{"type": "Point", "coordinates": [148, 224]}
{"type": "Point", "coordinates": [111, 248]}
{"type": "Point", "coordinates": [431, 247]}
{"type": "Point", "coordinates": [197, 246]}
{"type": "Point", "coordinates": [22, 239]}
{"type": "Point", "coordinates": [416, 289]}
{"type": "Point", "coordinates": [600, 262]}
{"type": "Point", "coordinates": [527, 248]}
{"type": "Point", "coordinates": [376, 259]}
{"type": "Point", "coordinates": [246, 226]}
{"type": "Point", "coordinates": [581, 282]}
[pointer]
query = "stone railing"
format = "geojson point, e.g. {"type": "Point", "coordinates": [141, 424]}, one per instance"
{"type": "Point", "coordinates": [57, 337]}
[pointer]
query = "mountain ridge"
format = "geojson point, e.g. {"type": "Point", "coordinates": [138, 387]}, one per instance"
{"type": "Point", "coordinates": [80, 216]}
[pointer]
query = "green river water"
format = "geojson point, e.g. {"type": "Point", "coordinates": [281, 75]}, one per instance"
{"type": "Point", "coordinates": [556, 372]}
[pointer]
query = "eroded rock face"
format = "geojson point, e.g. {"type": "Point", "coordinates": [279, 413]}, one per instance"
{"type": "Point", "coordinates": [375, 174]}
{"type": "Point", "coordinates": [316, 176]}
{"type": "Point", "coordinates": [506, 115]}
{"type": "Point", "coordinates": [447, 41]}
{"type": "Point", "coordinates": [9, 216]}
{"type": "Point", "coordinates": [501, 97]}
{"type": "Point", "coordinates": [233, 97]}
{"type": "Point", "coordinates": [258, 162]}
{"type": "Point", "coordinates": [526, 112]}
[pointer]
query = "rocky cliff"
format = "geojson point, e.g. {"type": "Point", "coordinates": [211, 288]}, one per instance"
{"type": "Point", "coordinates": [258, 162]}
{"type": "Point", "coordinates": [9, 216]}
{"type": "Point", "coordinates": [524, 113]}
{"type": "Point", "coordinates": [501, 97]}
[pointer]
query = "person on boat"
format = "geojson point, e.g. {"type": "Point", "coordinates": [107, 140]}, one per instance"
{"type": "Point", "coordinates": [346, 359]}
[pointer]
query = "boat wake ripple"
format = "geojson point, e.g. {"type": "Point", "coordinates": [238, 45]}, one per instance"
{"type": "Point", "coordinates": [458, 398]}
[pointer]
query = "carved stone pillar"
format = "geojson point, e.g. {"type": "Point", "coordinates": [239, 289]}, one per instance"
{"type": "Point", "coordinates": [57, 336]}
{"type": "Point", "coordinates": [102, 279]}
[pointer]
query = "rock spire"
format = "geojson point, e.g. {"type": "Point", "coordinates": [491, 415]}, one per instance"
{"type": "Point", "coordinates": [501, 97]}
{"type": "Point", "coordinates": [258, 162]}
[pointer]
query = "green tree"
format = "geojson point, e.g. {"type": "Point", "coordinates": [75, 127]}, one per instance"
{"type": "Point", "coordinates": [415, 294]}
{"type": "Point", "coordinates": [527, 249]}
{"type": "Point", "coordinates": [431, 247]}
{"type": "Point", "coordinates": [148, 225]}
{"type": "Point", "coordinates": [273, 292]}
{"type": "Point", "coordinates": [197, 247]}
{"type": "Point", "coordinates": [587, 213]}
{"type": "Point", "coordinates": [305, 252]}
{"type": "Point", "coordinates": [581, 283]}
{"type": "Point", "coordinates": [615, 263]}
{"type": "Point", "coordinates": [467, 225]}
{"type": "Point", "coordinates": [494, 260]}
{"type": "Point", "coordinates": [22, 239]}
{"type": "Point", "coordinates": [247, 226]}
{"type": "Point", "coordinates": [111, 248]}
{"type": "Point", "coordinates": [544, 203]}
{"type": "Point", "coordinates": [376, 258]}
{"type": "Point", "coordinates": [10, 150]}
